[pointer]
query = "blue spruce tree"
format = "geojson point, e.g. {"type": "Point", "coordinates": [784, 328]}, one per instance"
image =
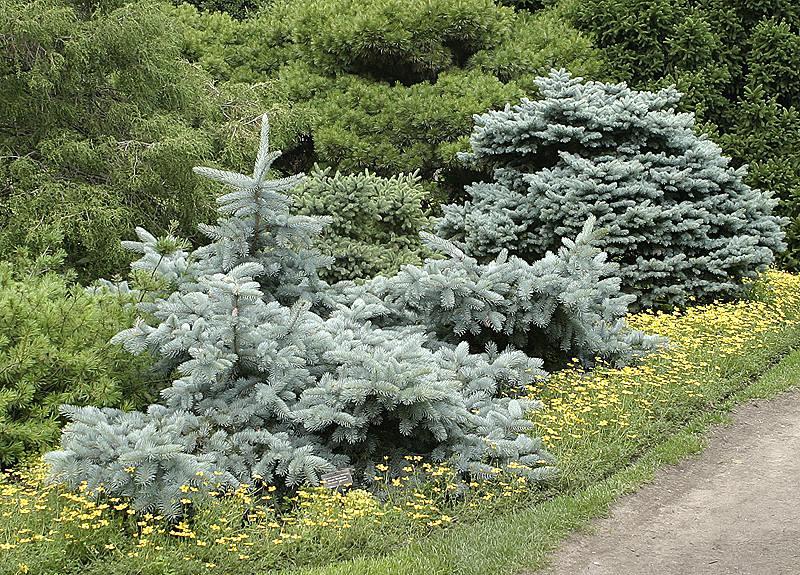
{"type": "Point", "coordinates": [681, 223]}
{"type": "Point", "coordinates": [283, 378]}
{"type": "Point", "coordinates": [566, 305]}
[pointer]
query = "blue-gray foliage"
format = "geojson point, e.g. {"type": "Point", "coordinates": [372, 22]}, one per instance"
{"type": "Point", "coordinates": [281, 378]}
{"type": "Point", "coordinates": [681, 223]}
{"type": "Point", "coordinates": [565, 305]}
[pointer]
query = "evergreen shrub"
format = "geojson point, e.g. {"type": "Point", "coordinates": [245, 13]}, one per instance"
{"type": "Point", "coordinates": [768, 134]}
{"type": "Point", "coordinates": [53, 350]}
{"type": "Point", "coordinates": [375, 221]}
{"type": "Point", "coordinates": [529, 5]}
{"type": "Point", "coordinates": [773, 59]}
{"type": "Point", "coordinates": [385, 85]}
{"type": "Point", "coordinates": [408, 41]}
{"type": "Point", "coordinates": [563, 307]}
{"type": "Point", "coordinates": [736, 61]}
{"type": "Point", "coordinates": [384, 40]}
{"type": "Point", "coordinates": [282, 378]}
{"type": "Point", "coordinates": [103, 122]}
{"type": "Point", "coordinates": [680, 221]}
{"type": "Point", "coordinates": [675, 36]}
{"type": "Point", "coordinates": [238, 9]}
{"type": "Point", "coordinates": [392, 129]}
{"type": "Point", "coordinates": [537, 43]}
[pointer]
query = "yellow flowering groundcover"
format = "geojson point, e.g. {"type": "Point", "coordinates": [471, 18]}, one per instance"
{"type": "Point", "coordinates": [713, 351]}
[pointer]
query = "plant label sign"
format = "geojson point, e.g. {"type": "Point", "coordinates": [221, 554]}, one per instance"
{"type": "Point", "coordinates": [337, 479]}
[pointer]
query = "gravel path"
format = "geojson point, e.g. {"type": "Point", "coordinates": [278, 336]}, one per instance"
{"type": "Point", "coordinates": [734, 509]}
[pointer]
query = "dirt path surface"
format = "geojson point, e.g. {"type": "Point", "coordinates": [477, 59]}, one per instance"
{"type": "Point", "coordinates": [734, 509]}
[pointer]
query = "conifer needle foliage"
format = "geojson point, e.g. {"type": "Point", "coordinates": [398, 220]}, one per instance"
{"type": "Point", "coordinates": [376, 221]}
{"type": "Point", "coordinates": [680, 221]}
{"type": "Point", "coordinates": [53, 350]}
{"type": "Point", "coordinates": [283, 378]}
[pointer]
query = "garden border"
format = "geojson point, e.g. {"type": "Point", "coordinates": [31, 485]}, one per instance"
{"type": "Point", "coordinates": [519, 543]}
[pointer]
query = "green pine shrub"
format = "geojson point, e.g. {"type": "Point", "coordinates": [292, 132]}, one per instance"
{"type": "Point", "coordinates": [387, 86]}
{"type": "Point", "coordinates": [54, 350]}
{"type": "Point", "coordinates": [768, 134]}
{"type": "Point", "coordinates": [680, 221]}
{"type": "Point", "coordinates": [382, 40]}
{"type": "Point", "coordinates": [238, 9]}
{"type": "Point", "coordinates": [408, 41]}
{"type": "Point", "coordinates": [645, 39]}
{"type": "Point", "coordinates": [730, 44]}
{"type": "Point", "coordinates": [741, 16]}
{"type": "Point", "coordinates": [239, 51]}
{"type": "Point", "coordinates": [773, 60]}
{"type": "Point", "coordinates": [103, 123]}
{"type": "Point", "coordinates": [529, 5]}
{"type": "Point", "coordinates": [391, 129]}
{"type": "Point", "coordinates": [537, 43]}
{"type": "Point", "coordinates": [375, 221]}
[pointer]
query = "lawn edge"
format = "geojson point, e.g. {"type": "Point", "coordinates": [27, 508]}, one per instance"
{"type": "Point", "coordinates": [521, 542]}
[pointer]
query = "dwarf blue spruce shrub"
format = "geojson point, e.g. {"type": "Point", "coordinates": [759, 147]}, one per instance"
{"type": "Point", "coordinates": [281, 377]}
{"type": "Point", "coordinates": [565, 305]}
{"type": "Point", "coordinates": [680, 222]}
